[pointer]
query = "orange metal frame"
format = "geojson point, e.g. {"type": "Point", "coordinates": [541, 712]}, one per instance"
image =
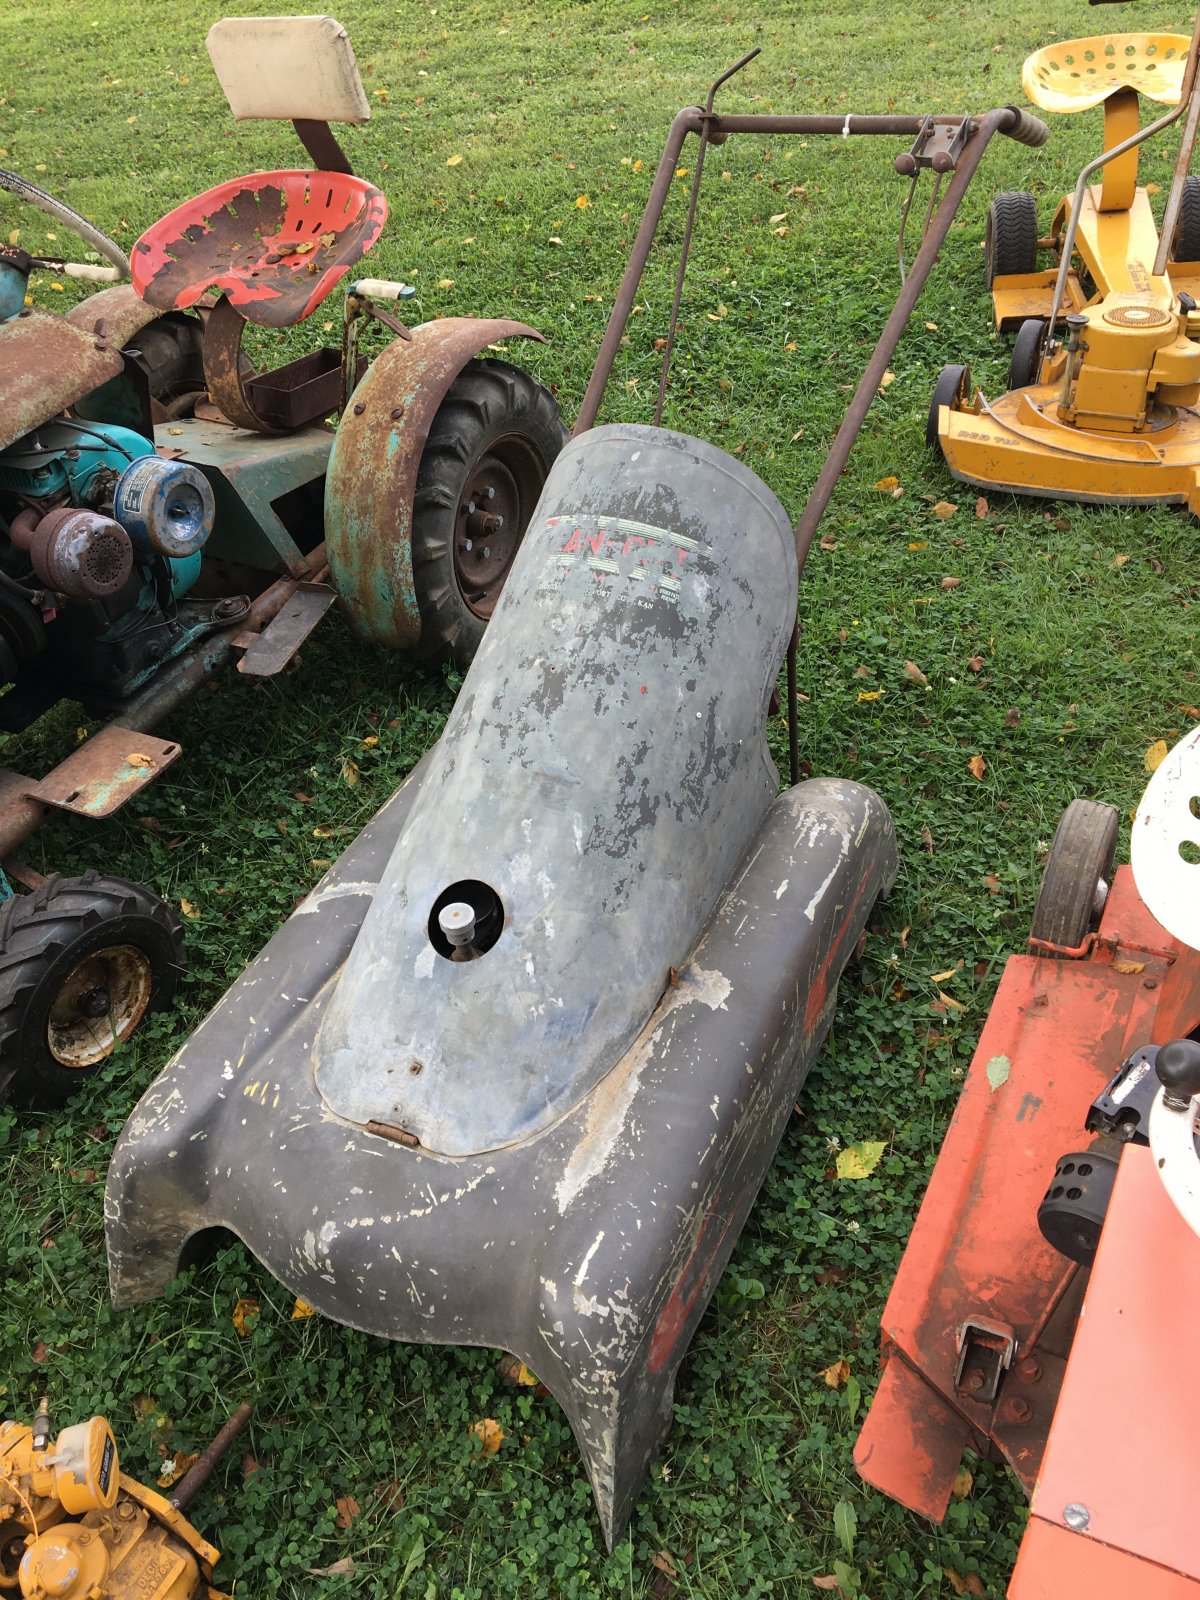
{"type": "Point", "coordinates": [979, 1286]}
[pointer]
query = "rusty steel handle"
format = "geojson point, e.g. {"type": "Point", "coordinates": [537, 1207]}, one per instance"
{"type": "Point", "coordinates": [201, 1469]}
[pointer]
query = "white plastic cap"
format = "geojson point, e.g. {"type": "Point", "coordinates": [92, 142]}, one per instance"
{"type": "Point", "coordinates": [457, 922]}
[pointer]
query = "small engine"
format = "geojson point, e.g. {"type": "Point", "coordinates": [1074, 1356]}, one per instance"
{"type": "Point", "coordinates": [99, 540]}
{"type": "Point", "coordinates": [73, 1528]}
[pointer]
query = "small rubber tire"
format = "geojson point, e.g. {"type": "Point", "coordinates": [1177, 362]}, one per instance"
{"type": "Point", "coordinates": [1010, 243]}
{"type": "Point", "coordinates": [169, 352]}
{"type": "Point", "coordinates": [490, 447]}
{"type": "Point", "coordinates": [952, 389]}
{"type": "Point", "coordinates": [1185, 246]}
{"type": "Point", "coordinates": [1077, 875]}
{"type": "Point", "coordinates": [74, 929]}
{"type": "Point", "coordinates": [1026, 353]}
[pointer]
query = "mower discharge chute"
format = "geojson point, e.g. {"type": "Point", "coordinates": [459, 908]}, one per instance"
{"type": "Point", "coordinates": [165, 509]}
{"type": "Point", "coordinates": [514, 1071]}
{"type": "Point", "coordinates": [1105, 369]}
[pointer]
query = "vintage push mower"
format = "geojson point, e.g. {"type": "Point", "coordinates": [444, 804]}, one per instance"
{"type": "Point", "coordinates": [513, 1073]}
{"type": "Point", "coordinates": [73, 1526]}
{"type": "Point", "coordinates": [1051, 1285]}
{"type": "Point", "coordinates": [136, 560]}
{"type": "Point", "coordinates": [1105, 368]}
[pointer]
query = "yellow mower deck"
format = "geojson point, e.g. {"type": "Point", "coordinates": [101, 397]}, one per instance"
{"type": "Point", "coordinates": [1018, 443]}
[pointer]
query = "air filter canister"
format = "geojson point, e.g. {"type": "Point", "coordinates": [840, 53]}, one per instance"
{"type": "Point", "coordinates": [166, 506]}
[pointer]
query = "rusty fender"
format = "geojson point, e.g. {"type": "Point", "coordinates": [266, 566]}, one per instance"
{"type": "Point", "coordinates": [373, 470]}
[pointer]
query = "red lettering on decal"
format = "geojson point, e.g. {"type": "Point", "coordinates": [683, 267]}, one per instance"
{"type": "Point", "coordinates": [573, 544]}
{"type": "Point", "coordinates": [634, 538]}
{"type": "Point", "coordinates": [596, 541]}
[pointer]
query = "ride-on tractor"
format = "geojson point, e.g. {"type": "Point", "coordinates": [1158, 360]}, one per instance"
{"type": "Point", "coordinates": [1106, 363]}
{"type": "Point", "coordinates": [1051, 1284]}
{"type": "Point", "coordinates": [164, 508]}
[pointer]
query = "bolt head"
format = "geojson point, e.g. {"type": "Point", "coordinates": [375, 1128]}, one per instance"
{"type": "Point", "coordinates": [1076, 1516]}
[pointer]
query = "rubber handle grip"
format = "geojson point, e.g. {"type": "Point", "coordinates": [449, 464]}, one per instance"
{"type": "Point", "coordinates": [1026, 128]}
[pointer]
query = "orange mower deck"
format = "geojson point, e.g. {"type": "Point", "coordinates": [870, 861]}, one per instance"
{"type": "Point", "coordinates": [983, 1341]}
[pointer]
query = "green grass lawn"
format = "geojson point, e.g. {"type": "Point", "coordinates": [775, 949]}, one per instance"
{"type": "Point", "coordinates": [1063, 652]}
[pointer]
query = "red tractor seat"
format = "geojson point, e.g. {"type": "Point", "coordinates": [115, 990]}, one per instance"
{"type": "Point", "coordinates": [275, 242]}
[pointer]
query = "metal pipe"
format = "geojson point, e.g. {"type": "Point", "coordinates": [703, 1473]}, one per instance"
{"type": "Point", "coordinates": [997, 121]}
{"type": "Point", "coordinates": [202, 1468]}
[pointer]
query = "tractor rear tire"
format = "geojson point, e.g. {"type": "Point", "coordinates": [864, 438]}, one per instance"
{"type": "Point", "coordinates": [1077, 876]}
{"type": "Point", "coordinates": [490, 447]}
{"type": "Point", "coordinates": [82, 960]}
{"type": "Point", "coordinates": [1185, 246]}
{"type": "Point", "coordinates": [1011, 240]}
{"type": "Point", "coordinates": [1026, 353]}
{"type": "Point", "coordinates": [952, 388]}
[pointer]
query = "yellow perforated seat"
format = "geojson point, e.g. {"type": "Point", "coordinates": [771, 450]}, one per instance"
{"type": "Point", "coordinates": [1079, 73]}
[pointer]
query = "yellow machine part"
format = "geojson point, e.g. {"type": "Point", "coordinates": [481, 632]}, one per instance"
{"type": "Point", "coordinates": [1076, 74]}
{"type": "Point", "coordinates": [72, 1527]}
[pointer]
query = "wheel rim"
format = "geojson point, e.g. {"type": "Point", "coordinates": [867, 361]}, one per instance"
{"type": "Point", "coordinates": [497, 497]}
{"type": "Point", "coordinates": [100, 1003]}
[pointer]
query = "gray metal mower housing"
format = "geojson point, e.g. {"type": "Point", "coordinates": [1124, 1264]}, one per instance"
{"type": "Point", "coordinates": [552, 1148]}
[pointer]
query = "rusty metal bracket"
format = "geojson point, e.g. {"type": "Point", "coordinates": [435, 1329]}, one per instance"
{"type": "Point", "coordinates": [223, 369]}
{"type": "Point", "coordinates": [985, 1352]}
{"type": "Point", "coordinates": [373, 470]}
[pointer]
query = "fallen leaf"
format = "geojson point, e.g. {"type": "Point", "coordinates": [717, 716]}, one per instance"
{"type": "Point", "coordinates": [944, 509]}
{"type": "Point", "coordinates": [392, 1494]}
{"type": "Point", "coordinates": [663, 1563]}
{"type": "Point", "coordinates": [918, 544]}
{"type": "Point", "coordinates": [888, 379]}
{"type": "Point", "coordinates": [981, 508]}
{"type": "Point", "coordinates": [859, 1160]}
{"type": "Point", "coordinates": [137, 759]}
{"type": "Point", "coordinates": [779, 216]}
{"type": "Point", "coordinates": [998, 1071]}
{"type": "Point", "coordinates": [445, 283]}
{"type": "Point", "coordinates": [245, 1313]}
{"type": "Point", "coordinates": [944, 977]}
{"type": "Point", "coordinates": [968, 1583]}
{"type": "Point", "coordinates": [347, 1509]}
{"type": "Point", "coordinates": [1119, 561]}
{"type": "Point", "coordinates": [975, 663]}
{"type": "Point", "coordinates": [188, 909]}
{"type": "Point", "coordinates": [175, 1467]}
{"type": "Point", "coordinates": [888, 484]}
{"type": "Point", "coordinates": [932, 327]}
{"type": "Point", "coordinates": [828, 542]}
{"type": "Point", "coordinates": [1129, 967]}
{"type": "Point", "coordinates": [913, 671]}
{"type": "Point", "coordinates": [454, 161]}
{"type": "Point", "coordinates": [927, 840]}
{"type": "Point", "coordinates": [249, 1465]}
{"type": "Point", "coordinates": [329, 238]}
{"type": "Point", "coordinates": [977, 766]}
{"type": "Point", "coordinates": [302, 1309]}
{"type": "Point", "coordinates": [826, 1581]}
{"type": "Point", "coordinates": [340, 1569]}
{"type": "Point", "coordinates": [951, 583]}
{"type": "Point", "coordinates": [512, 1370]}
{"type": "Point", "coordinates": [350, 772]}
{"type": "Point", "coordinates": [304, 248]}
{"type": "Point", "coordinates": [871, 694]}
{"type": "Point", "coordinates": [1156, 755]}
{"type": "Point", "coordinates": [582, 202]}
{"type": "Point", "coordinates": [836, 1375]}
{"type": "Point", "coordinates": [489, 1433]}
{"type": "Point", "coordinates": [39, 1352]}
{"type": "Point", "coordinates": [950, 1001]}
{"type": "Point", "coordinates": [370, 741]}
{"type": "Point", "coordinates": [1012, 719]}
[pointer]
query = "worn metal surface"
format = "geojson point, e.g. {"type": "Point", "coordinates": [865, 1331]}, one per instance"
{"type": "Point", "coordinates": [606, 760]}
{"type": "Point", "coordinates": [275, 242]}
{"type": "Point", "coordinates": [114, 314]}
{"type": "Point", "coordinates": [97, 778]}
{"type": "Point", "coordinates": [46, 365]}
{"type": "Point", "coordinates": [1055, 1035]}
{"type": "Point", "coordinates": [620, 1114]}
{"type": "Point", "coordinates": [373, 471]}
{"type": "Point", "coordinates": [282, 637]}
{"type": "Point", "coordinates": [590, 1251]}
{"type": "Point", "coordinates": [248, 474]}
